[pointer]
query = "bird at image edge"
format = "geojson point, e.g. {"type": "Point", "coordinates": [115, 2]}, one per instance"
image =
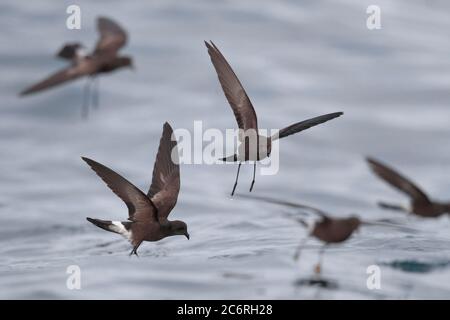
{"type": "Point", "coordinates": [420, 204]}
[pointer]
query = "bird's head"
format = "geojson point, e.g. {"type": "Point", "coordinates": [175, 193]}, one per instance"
{"type": "Point", "coordinates": [179, 228]}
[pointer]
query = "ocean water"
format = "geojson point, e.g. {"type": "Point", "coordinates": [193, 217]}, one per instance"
{"type": "Point", "coordinates": [296, 59]}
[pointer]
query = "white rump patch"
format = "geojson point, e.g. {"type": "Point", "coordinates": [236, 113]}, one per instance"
{"type": "Point", "coordinates": [81, 53]}
{"type": "Point", "coordinates": [118, 227]}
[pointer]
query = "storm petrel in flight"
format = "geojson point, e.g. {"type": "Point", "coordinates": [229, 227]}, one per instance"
{"type": "Point", "coordinates": [420, 204]}
{"type": "Point", "coordinates": [253, 147]}
{"type": "Point", "coordinates": [328, 229]}
{"type": "Point", "coordinates": [147, 213]}
{"type": "Point", "coordinates": [103, 59]}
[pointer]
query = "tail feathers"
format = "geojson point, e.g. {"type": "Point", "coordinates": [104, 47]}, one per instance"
{"type": "Point", "coordinates": [391, 206]}
{"type": "Point", "coordinates": [232, 158]}
{"type": "Point", "coordinates": [306, 124]}
{"type": "Point", "coordinates": [122, 228]}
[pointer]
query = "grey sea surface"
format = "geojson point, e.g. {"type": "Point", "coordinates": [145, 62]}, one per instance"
{"type": "Point", "coordinates": [296, 59]}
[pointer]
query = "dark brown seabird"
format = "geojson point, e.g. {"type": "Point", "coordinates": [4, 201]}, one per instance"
{"type": "Point", "coordinates": [103, 59]}
{"type": "Point", "coordinates": [147, 214]}
{"type": "Point", "coordinates": [328, 229]}
{"type": "Point", "coordinates": [259, 147]}
{"type": "Point", "coordinates": [420, 204]}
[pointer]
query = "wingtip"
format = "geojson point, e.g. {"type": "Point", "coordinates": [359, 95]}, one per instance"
{"type": "Point", "coordinates": [24, 93]}
{"type": "Point", "coordinates": [211, 46]}
{"type": "Point", "coordinates": [333, 115]}
{"type": "Point", "coordinates": [337, 114]}
{"type": "Point", "coordinates": [88, 161]}
{"type": "Point", "coordinates": [167, 126]}
{"type": "Point", "coordinates": [208, 45]}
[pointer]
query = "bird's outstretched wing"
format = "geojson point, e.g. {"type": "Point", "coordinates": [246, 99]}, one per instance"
{"type": "Point", "coordinates": [112, 36]}
{"type": "Point", "coordinates": [140, 207]}
{"type": "Point", "coordinates": [233, 89]}
{"type": "Point", "coordinates": [398, 181]}
{"type": "Point", "coordinates": [294, 205]}
{"type": "Point", "coordinates": [60, 77]}
{"type": "Point", "coordinates": [166, 174]}
{"type": "Point", "coordinates": [306, 124]}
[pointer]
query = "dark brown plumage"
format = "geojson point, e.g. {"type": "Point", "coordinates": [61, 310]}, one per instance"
{"type": "Point", "coordinates": [327, 229]}
{"type": "Point", "coordinates": [103, 59]}
{"type": "Point", "coordinates": [147, 214]}
{"type": "Point", "coordinates": [420, 204]}
{"type": "Point", "coordinates": [253, 147]}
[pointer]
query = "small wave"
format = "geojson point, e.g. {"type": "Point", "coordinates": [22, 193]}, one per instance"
{"type": "Point", "coordinates": [417, 266]}
{"type": "Point", "coordinates": [236, 275]}
{"type": "Point", "coordinates": [316, 282]}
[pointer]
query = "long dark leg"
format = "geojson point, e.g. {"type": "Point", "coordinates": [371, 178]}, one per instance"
{"type": "Point", "coordinates": [253, 181]}
{"type": "Point", "coordinates": [235, 182]}
{"type": "Point", "coordinates": [136, 245]}
{"type": "Point", "coordinates": [134, 251]}
{"type": "Point", "coordinates": [96, 92]}
{"type": "Point", "coordinates": [86, 99]}
{"type": "Point", "coordinates": [318, 267]}
{"type": "Point", "coordinates": [299, 248]}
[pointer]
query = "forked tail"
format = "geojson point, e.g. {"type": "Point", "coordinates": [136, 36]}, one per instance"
{"type": "Point", "coordinates": [122, 228]}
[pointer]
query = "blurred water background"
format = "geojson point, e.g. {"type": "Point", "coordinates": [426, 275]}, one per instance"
{"type": "Point", "coordinates": [296, 59]}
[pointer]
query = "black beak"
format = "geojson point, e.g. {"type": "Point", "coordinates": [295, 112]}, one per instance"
{"type": "Point", "coordinates": [187, 235]}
